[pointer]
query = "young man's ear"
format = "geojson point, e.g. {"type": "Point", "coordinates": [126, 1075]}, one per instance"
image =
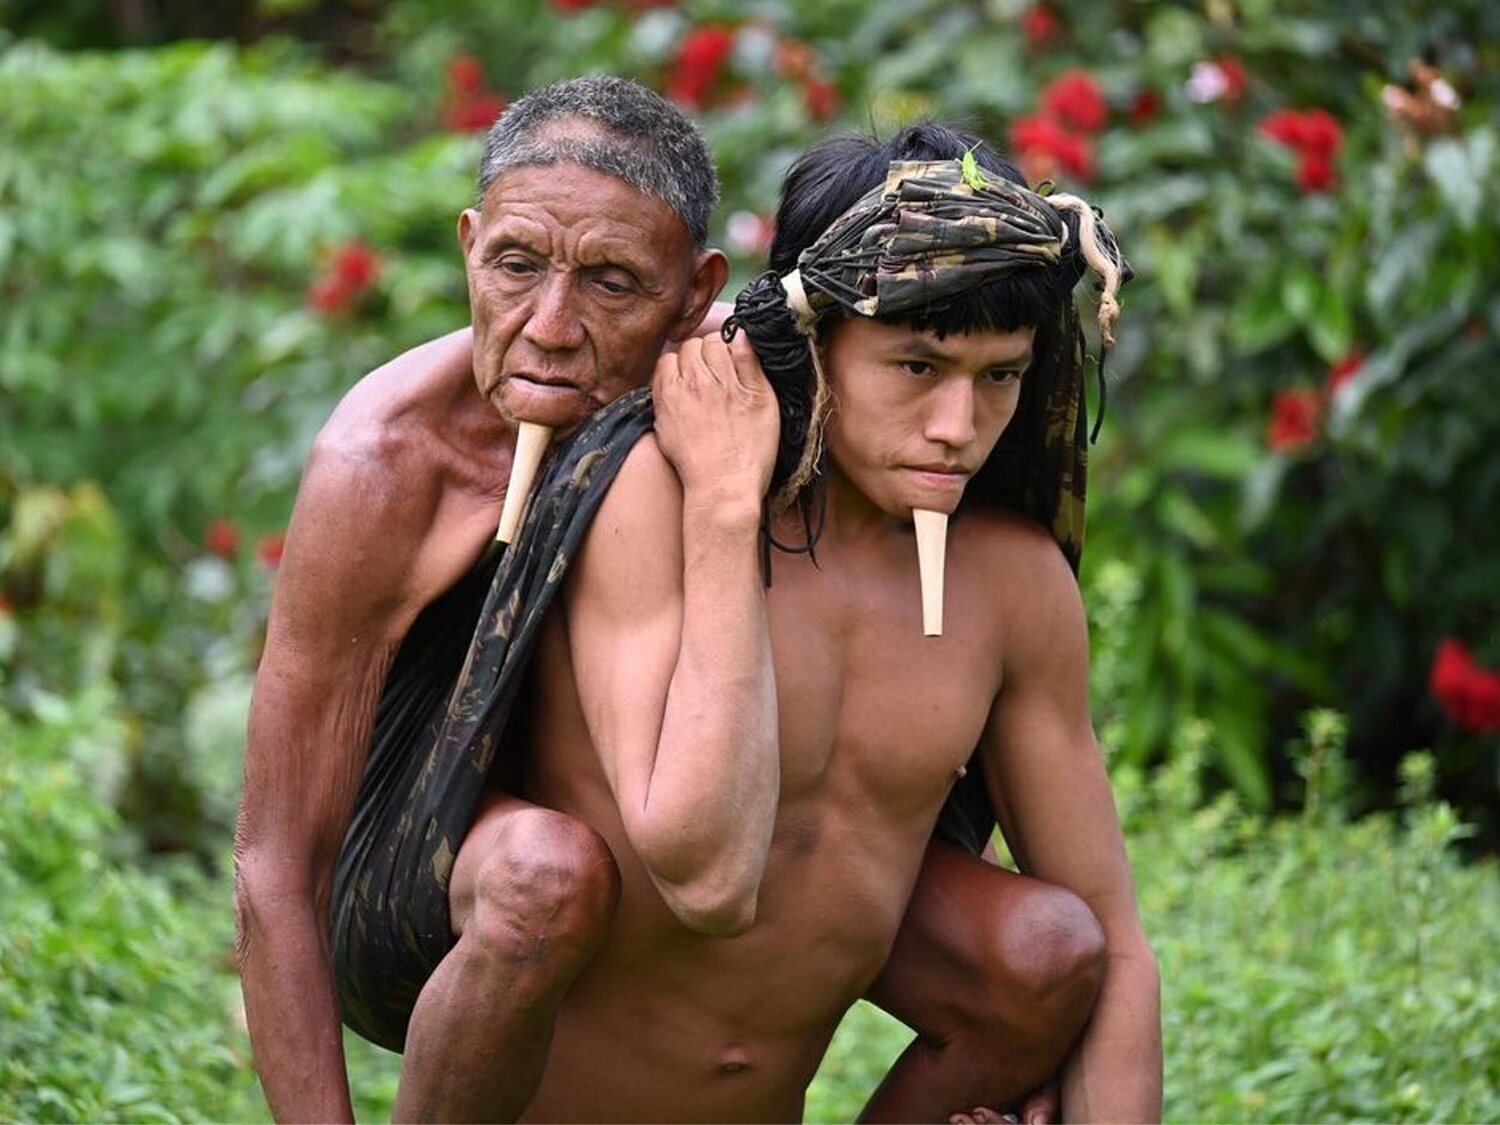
{"type": "Point", "coordinates": [468, 230]}
{"type": "Point", "coordinates": [710, 273]}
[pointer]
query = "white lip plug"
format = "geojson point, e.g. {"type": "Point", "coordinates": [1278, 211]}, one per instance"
{"type": "Point", "coordinates": [531, 445]}
{"type": "Point", "coordinates": [932, 549]}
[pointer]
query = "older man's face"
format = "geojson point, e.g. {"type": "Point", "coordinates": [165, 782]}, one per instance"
{"type": "Point", "coordinates": [576, 281]}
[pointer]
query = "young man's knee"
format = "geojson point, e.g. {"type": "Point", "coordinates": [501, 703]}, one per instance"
{"type": "Point", "coordinates": [1046, 961]}
{"type": "Point", "coordinates": [548, 886]}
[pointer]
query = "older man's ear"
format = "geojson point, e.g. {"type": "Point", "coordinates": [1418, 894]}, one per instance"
{"type": "Point", "coordinates": [710, 273]}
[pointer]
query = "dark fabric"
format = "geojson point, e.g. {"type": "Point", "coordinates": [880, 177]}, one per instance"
{"type": "Point", "coordinates": [442, 719]}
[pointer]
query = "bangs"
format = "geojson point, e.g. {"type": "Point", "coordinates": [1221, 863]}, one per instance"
{"type": "Point", "coordinates": [1020, 300]}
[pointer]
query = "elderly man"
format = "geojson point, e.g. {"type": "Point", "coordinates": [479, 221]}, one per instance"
{"type": "Point", "coordinates": [585, 260]}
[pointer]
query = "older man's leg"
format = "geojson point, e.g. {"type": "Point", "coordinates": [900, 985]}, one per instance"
{"type": "Point", "coordinates": [997, 973]}
{"type": "Point", "coordinates": [532, 898]}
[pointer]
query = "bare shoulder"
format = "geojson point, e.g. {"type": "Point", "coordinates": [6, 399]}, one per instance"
{"type": "Point", "coordinates": [1019, 570]}
{"type": "Point", "coordinates": [365, 541]}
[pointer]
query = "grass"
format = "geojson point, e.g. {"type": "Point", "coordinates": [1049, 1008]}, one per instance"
{"type": "Point", "coordinates": [1314, 968]}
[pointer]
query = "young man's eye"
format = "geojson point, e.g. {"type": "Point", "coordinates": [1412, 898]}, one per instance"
{"type": "Point", "coordinates": [1002, 375]}
{"type": "Point", "coordinates": [916, 367]}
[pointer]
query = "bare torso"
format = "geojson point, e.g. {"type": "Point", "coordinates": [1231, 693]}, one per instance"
{"type": "Point", "coordinates": [876, 723]}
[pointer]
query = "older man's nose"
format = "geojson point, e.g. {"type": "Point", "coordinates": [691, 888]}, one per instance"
{"type": "Point", "coordinates": [950, 412]}
{"type": "Point", "coordinates": [554, 323]}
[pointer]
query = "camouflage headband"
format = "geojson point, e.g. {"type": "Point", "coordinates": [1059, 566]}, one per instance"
{"type": "Point", "coordinates": [935, 230]}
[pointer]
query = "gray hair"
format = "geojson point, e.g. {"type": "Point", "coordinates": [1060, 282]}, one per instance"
{"type": "Point", "coordinates": [640, 139]}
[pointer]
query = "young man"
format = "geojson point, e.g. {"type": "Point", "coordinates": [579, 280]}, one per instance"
{"type": "Point", "coordinates": [767, 763]}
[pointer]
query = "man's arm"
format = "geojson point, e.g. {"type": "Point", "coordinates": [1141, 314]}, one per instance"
{"type": "Point", "coordinates": [336, 619]}
{"type": "Point", "coordinates": [1044, 770]}
{"type": "Point", "coordinates": [670, 643]}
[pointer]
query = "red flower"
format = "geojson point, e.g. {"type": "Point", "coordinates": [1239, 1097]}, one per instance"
{"type": "Point", "coordinates": [700, 58]}
{"type": "Point", "coordinates": [1466, 691]}
{"type": "Point", "coordinates": [355, 267]}
{"type": "Point", "coordinates": [1294, 419]}
{"type": "Point", "coordinates": [465, 73]}
{"type": "Point", "coordinates": [1315, 172]}
{"type": "Point", "coordinates": [470, 106]}
{"type": "Point", "coordinates": [821, 98]}
{"type": "Point", "coordinates": [1040, 25]}
{"type": "Point", "coordinates": [222, 538]}
{"type": "Point", "coordinates": [1321, 133]}
{"type": "Point", "coordinates": [1144, 108]}
{"type": "Point", "coordinates": [7, 607]}
{"type": "Point", "coordinates": [1284, 127]}
{"type": "Point", "coordinates": [1235, 79]}
{"type": "Point", "coordinates": [1045, 148]}
{"type": "Point", "coordinates": [269, 549]}
{"type": "Point", "coordinates": [1344, 370]}
{"type": "Point", "coordinates": [1074, 99]}
{"type": "Point", "coordinates": [1316, 136]}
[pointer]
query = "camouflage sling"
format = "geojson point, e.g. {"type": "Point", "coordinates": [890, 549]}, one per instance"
{"type": "Point", "coordinates": [439, 729]}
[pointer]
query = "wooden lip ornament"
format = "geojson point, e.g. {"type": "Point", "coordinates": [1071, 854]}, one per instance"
{"type": "Point", "coordinates": [932, 549]}
{"type": "Point", "coordinates": [531, 445]}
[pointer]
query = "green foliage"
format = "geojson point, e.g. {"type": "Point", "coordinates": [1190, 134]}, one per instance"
{"type": "Point", "coordinates": [116, 999]}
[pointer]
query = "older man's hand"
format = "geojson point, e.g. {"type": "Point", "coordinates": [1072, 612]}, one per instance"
{"type": "Point", "coordinates": [717, 422]}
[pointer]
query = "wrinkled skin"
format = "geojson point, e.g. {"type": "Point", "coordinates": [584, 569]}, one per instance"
{"type": "Point", "coordinates": [575, 281]}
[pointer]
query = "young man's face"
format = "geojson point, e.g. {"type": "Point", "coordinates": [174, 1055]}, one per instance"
{"type": "Point", "coordinates": [576, 280]}
{"type": "Point", "coordinates": [915, 416]}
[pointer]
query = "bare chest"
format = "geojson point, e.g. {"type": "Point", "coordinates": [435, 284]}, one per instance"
{"type": "Point", "coordinates": [871, 711]}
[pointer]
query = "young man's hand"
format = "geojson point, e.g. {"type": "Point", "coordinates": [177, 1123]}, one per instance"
{"type": "Point", "coordinates": [717, 421]}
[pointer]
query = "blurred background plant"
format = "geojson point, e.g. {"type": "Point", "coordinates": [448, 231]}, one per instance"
{"type": "Point", "coordinates": [215, 218]}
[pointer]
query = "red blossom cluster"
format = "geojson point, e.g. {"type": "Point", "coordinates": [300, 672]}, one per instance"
{"type": "Point", "coordinates": [351, 273]}
{"type": "Point", "coordinates": [1057, 138]}
{"type": "Point", "coordinates": [1315, 136]}
{"type": "Point", "coordinates": [1040, 25]}
{"type": "Point", "coordinates": [1468, 693]}
{"type": "Point", "coordinates": [1073, 98]}
{"type": "Point", "coordinates": [470, 106]}
{"type": "Point", "coordinates": [222, 538]}
{"type": "Point", "coordinates": [1297, 413]}
{"type": "Point", "coordinates": [700, 59]}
